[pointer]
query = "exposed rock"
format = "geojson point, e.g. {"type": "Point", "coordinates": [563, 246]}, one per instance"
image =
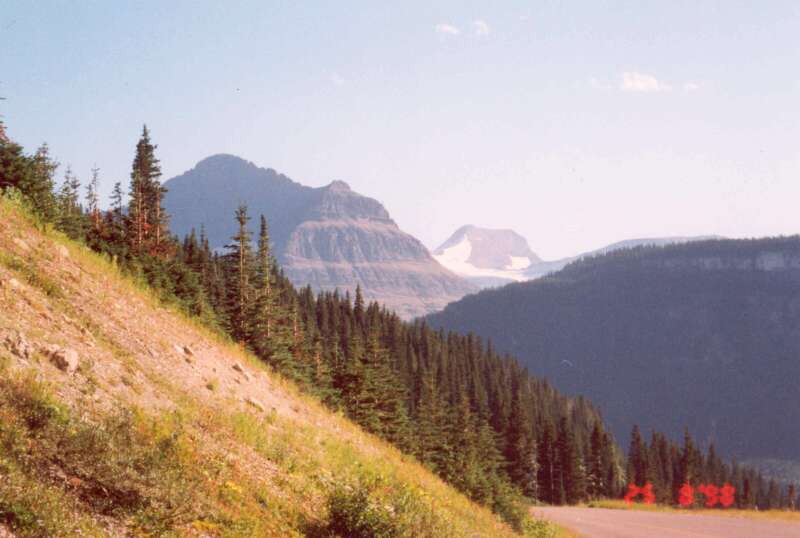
{"type": "Point", "coordinates": [64, 359]}
{"type": "Point", "coordinates": [19, 346]}
{"type": "Point", "coordinates": [183, 350]}
{"type": "Point", "coordinates": [14, 284]}
{"type": "Point", "coordinates": [255, 403]}
{"type": "Point", "coordinates": [62, 251]}
{"type": "Point", "coordinates": [238, 367]}
{"type": "Point", "coordinates": [21, 244]}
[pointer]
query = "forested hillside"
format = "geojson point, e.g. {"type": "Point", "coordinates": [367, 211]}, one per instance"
{"type": "Point", "coordinates": [704, 335]}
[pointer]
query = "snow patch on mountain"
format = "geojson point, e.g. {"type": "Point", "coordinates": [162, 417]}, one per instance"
{"type": "Point", "coordinates": [518, 263]}
{"type": "Point", "coordinates": [488, 257]}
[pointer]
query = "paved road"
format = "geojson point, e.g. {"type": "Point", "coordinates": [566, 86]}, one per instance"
{"type": "Point", "coordinates": [604, 523]}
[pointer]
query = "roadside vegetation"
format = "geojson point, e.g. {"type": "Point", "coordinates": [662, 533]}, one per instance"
{"type": "Point", "coordinates": [616, 504]}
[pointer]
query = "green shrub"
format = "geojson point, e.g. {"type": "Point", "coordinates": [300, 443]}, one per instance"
{"type": "Point", "coordinates": [538, 528]}
{"type": "Point", "coordinates": [354, 513]}
{"type": "Point", "coordinates": [375, 508]}
{"type": "Point", "coordinates": [32, 275]}
{"type": "Point", "coordinates": [128, 467]}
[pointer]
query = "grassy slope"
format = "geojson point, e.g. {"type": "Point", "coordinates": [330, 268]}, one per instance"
{"type": "Point", "coordinates": [180, 448]}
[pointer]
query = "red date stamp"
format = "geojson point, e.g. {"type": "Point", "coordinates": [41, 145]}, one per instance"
{"type": "Point", "coordinates": [646, 491]}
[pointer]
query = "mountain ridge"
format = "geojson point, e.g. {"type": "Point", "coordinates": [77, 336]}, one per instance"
{"type": "Point", "coordinates": [494, 257]}
{"type": "Point", "coordinates": [328, 237]}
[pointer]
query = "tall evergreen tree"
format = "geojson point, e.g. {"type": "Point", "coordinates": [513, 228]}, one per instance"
{"type": "Point", "coordinates": [637, 471]}
{"type": "Point", "coordinates": [523, 467]}
{"type": "Point", "coordinates": [688, 462]}
{"type": "Point", "coordinates": [93, 199]}
{"type": "Point", "coordinates": [147, 220]}
{"type": "Point", "coordinates": [791, 497]}
{"type": "Point", "coordinates": [239, 279]}
{"type": "Point", "coordinates": [549, 484]}
{"type": "Point", "coordinates": [569, 465]}
{"type": "Point", "coordinates": [42, 185]}
{"type": "Point", "coordinates": [70, 219]}
{"type": "Point", "coordinates": [265, 305]}
{"type": "Point", "coordinates": [597, 473]}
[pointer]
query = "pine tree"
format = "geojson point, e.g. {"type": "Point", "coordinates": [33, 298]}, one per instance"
{"type": "Point", "coordinates": [660, 467]}
{"type": "Point", "coordinates": [239, 273]}
{"type": "Point", "coordinates": [637, 459]}
{"type": "Point", "coordinates": [16, 170]}
{"type": "Point", "coordinates": [433, 447]}
{"type": "Point", "coordinates": [265, 305]}
{"type": "Point", "coordinates": [688, 468]}
{"type": "Point", "coordinates": [390, 396]}
{"type": "Point", "coordinates": [569, 466]}
{"type": "Point", "coordinates": [358, 309]}
{"type": "Point", "coordinates": [31, 176]}
{"type": "Point", "coordinates": [613, 481]}
{"type": "Point", "coordinates": [147, 221]}
{"type": "Point", "coordinates": [116, 200]}
{"type": "Point", "coordinates": [70, 219]}
{"type": "Point", "coordinates": [521, 453]}
{"type": "Point", "coordinates": [596, 478]}
{"type": "Point", "coordinates": [93, 199]}
{"type": "Point", "coordinates": [773, 497]}
{"type": "Point", "coordinates": [41, 189]}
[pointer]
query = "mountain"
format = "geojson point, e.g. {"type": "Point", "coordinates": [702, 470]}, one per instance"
{"type": "Point", "coordinates": [121, 417]}
{"type": "Point", "coordinates": [487, 257]}
{"type": "Point", "coordinates": [703, 334]}
{"type": "Point", "coordinates": [546, 267]}
{"type": "Point", "coordinates": [490, 258]}
{"type": "Point", "coordinates": [329, 237]}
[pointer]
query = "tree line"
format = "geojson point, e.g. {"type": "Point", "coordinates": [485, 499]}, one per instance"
{"type": "Point", "coordinates": [668, 466]}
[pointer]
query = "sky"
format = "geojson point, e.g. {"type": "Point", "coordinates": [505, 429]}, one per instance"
{"type": "Point", "coordinates": [576, 124]}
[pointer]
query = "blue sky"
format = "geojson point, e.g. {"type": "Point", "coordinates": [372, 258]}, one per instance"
{"type": "Point", "coordinates": [575, 123]}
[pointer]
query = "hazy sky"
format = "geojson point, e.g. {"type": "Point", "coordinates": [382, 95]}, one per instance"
{"type": "Point", "coordinates": [575, 123]}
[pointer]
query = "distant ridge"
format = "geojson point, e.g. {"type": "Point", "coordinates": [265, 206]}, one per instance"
{"type": "Point", "coordinates": [491, 257]}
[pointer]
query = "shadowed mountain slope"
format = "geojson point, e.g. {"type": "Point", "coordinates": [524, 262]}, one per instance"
{"type": "Point", "coordinates": [704, 334]}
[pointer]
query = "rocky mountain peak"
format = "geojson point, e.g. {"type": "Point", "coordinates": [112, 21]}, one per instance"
{"type": "Point", "coordinates": [338, 185]}
{"type": "Point", "coordinates": [328, 237]}
{"type": "Point", "coordinates": [488, 256]}
{"type": "Point", "coordinates": [338, 201]}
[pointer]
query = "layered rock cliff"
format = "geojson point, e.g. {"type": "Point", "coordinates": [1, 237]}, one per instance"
{"type": "Point", "coordinates": [329, 237]}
